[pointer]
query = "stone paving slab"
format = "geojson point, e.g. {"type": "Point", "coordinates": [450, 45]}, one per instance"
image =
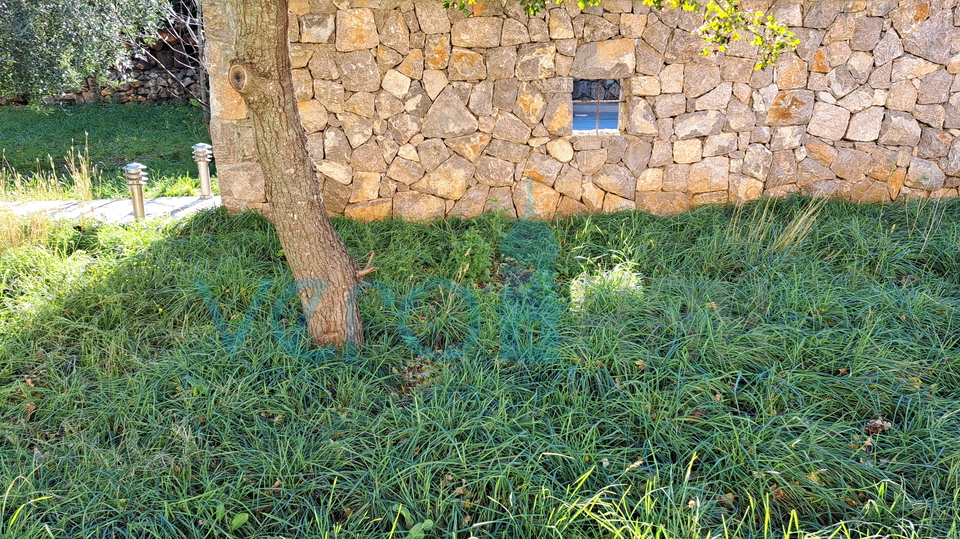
{"type": "Point", "coordinates": [113, 210]}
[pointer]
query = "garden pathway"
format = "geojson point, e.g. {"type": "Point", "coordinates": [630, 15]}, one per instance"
{"type": "Point", "coordinates": [112, 210]}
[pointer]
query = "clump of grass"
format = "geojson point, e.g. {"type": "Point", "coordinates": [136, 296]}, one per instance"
{"type": "Point", "coordinates": [716, 380]}
{"type": "Point", "coordinates": [16, 231]}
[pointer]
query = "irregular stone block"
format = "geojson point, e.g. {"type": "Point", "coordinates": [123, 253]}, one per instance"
{"type": "Point", "coordinates": [648, 60]}
{"type": "Point", "coordinates": [640, 119]}
{"type": "Point", "coordinates": [710, 174]}
{"type": "Point", "coordinates": [472, 203]}
{"type": "Point", "coordinates": [791, 108]}
{"type": "Point", "coordinates": [436, 54]}
{"type": "Point", "coordinates": [865, 125]}
{"type": "Point", "coordinates": [466, 65]}
{"type": "Point", "coordinates": [396, 83]}
{"type": "Point", "coordinates": [432, 17]}
{"type": "Point", "coordinates": [494, 172]}
{"type": "Point", "coordinates": [841, 82]}
{"type": "Point", "coordinates": [687, 151]}
{"type": "Point", "coordinates": [514, 33]}
{"type": "Point", "coordinates": [356, 30]}
{"type": "Point", "coordinates": [559, 24]}
{"type": "Point", "coordinates": [740, 117]}
{"type": "Point", "coordinates": [744, 188]}
{"type": "Point", "coordinates": [530, 104]}
{"type": "Point", "coordinates": [757, 162]}
{"type": "Point", "coordinates": [928, 39]}
{"type": "Point", "coordinates": [662, 204]}
{"type": "Point", "coordinates": [511, 151]}
{"type": "Point", "coordinates": [828, 121]}
{"type": "Point", "coordinates": [650, 180]}
{"type": "Point", "coordinates": [589, 162]}
{"type": "Point", "coordinates": [617, 180]}
{"type": "Point", "coordinates": [394, 32]}
{"type": "Point", "coordinates": [721, 144]}
{"type": "Point", "coordinates": [700, 79]}
{"type": "Point", "coordinates": [716, 99]}
{"type": "Point", "coordinates": [932, 115]}
{"type": "Point", "coordinates": [538, 197]}
{"type": "Point", "coordinates": [558, 117]}
{"type": "Point", "coordinates": [366, 186]}
{"type": "Point", "coordinates": [699, 124]}
{"type": "Point", "coordinates": [405, 171]}
{"type": "Point", "coordinates": [501, 63]}
{"type": "Point", "coordinates": [448, 117]}
{"type": "Point", "coordinates": [481, 99]}
{"type": "Point", "coordinates": [358, 72]}
{"type": "Point", "coordinates": [416, 206]}
{"type": "Point", "coordinates": [637, 155]}
{"type": "Point", "coordinates": [449, 180]}
{"type": "Point", "coordinates": [370, 210]}
{"type": "Point", "coordinates": [669, 105]}
{"type": "Point", "coordinates": [470, 146]}
{"type": "Point", "coordinates": [851, 164]}
{"type": "Point", "coordinates": [613, 59]}
{"type": "Point", "coordinates": [791, 72]}
{"type": "Point", "coordinates": [313, 116]}
{"type": "Point", "coordinates": [368, 158]}
{"type": "Point", "coordinates": [541, 168]}
{"type": "Point", "coordinates": [511, 128]}
{"type": "Point", "coordinates": [866, 33]}
{"type": "Point", "coordinates": [911, 67]}
{"type": "Point", "coordinates": [787, 137]}
{"type": "Point", "coordinates": [561, 150]}
{"type": "Point", "coordinates": [935, 87]}
{"type": "Point", "coordinates": [482, 32]}
{"type": "Point", "coordinates": [934, 143]}
{"type": "Point", "coordinates": [569, 182]}
{"type": "Point", "coordinates": [536, 61]}
{"type": "Point", "coordinates": [899, 129]}
{"type": "Point", "coordinates": [335, 145]}
{"type": "Point", "coordinates": [317, 28]}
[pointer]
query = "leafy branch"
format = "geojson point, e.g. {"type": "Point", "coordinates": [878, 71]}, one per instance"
{"type": "Point", "coordinates": [724, 22]}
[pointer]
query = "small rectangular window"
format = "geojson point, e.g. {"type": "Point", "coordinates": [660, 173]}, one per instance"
{"type": "Point", "coordinates": [596, 105]}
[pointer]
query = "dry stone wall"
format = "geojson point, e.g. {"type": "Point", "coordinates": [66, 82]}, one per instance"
{"type": "Point", "coordinates": [416, 111]}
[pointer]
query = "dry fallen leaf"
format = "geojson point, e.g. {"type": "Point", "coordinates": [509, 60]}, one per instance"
{"type": "Point", "coordinates": [878, 425]}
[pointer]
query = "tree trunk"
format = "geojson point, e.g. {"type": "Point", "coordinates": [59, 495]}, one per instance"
{"type": "Point", "coordinates": [260, 72]}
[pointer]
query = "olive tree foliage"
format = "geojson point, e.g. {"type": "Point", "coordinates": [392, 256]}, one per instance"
{"type": "Point", "coordinates": [50, 46]}
{"type": "Point", "coordinates": [724, 22]}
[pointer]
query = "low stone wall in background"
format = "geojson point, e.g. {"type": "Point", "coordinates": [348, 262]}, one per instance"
{"type": "Point", "coordinates": [154, 85]}
{"type": "Point", "coordinates": [416, 111]}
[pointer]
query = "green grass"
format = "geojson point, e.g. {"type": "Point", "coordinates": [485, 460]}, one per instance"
{"type": "Point", "coordinates": [36, 145]}
{"type": "Point", "coordinates": [717, 376]}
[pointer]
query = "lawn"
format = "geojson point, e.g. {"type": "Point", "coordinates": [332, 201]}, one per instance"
{"type": "Point", "coordinates": [786, 369]}
{"type": "Point", "coordinates": [37, 145]}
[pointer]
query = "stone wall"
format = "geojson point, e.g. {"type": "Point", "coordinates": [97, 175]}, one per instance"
{"type": "Point", "coordinates": [416, 111]}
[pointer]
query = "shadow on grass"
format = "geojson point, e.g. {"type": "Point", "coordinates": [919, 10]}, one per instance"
{"type": "Point", "coordinates": [717, 371]}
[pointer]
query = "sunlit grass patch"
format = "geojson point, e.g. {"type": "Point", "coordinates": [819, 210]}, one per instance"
{"type": "Point", "coordinates": [76, 152]}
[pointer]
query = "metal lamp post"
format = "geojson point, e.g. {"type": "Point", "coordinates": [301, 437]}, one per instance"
{"type": "Point", "coordinates": [202, 154]}
{"type": "Point", "coordinates": [136, 176]}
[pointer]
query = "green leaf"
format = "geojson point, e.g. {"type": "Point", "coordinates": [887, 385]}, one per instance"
{"type": "Point", "coordinates": [239, 520]}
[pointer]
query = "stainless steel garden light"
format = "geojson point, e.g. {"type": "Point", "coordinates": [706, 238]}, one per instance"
{"type": "Point", "coordinates": [136, 176]}
{"type": "Point", "coordinates": [202, 154]}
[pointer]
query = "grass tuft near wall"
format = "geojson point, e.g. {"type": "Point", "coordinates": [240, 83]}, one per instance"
{"type": "Point", "coordinates": [788, 368]}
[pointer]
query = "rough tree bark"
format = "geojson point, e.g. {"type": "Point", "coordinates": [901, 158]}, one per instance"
{"type": "Point", "coordinates": [260, 72]}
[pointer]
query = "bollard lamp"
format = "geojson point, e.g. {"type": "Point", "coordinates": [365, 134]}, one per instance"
{"type": "Point", "coordinates": [202, 154]}
{"type": "Point", "coordinates": [136, 176]}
